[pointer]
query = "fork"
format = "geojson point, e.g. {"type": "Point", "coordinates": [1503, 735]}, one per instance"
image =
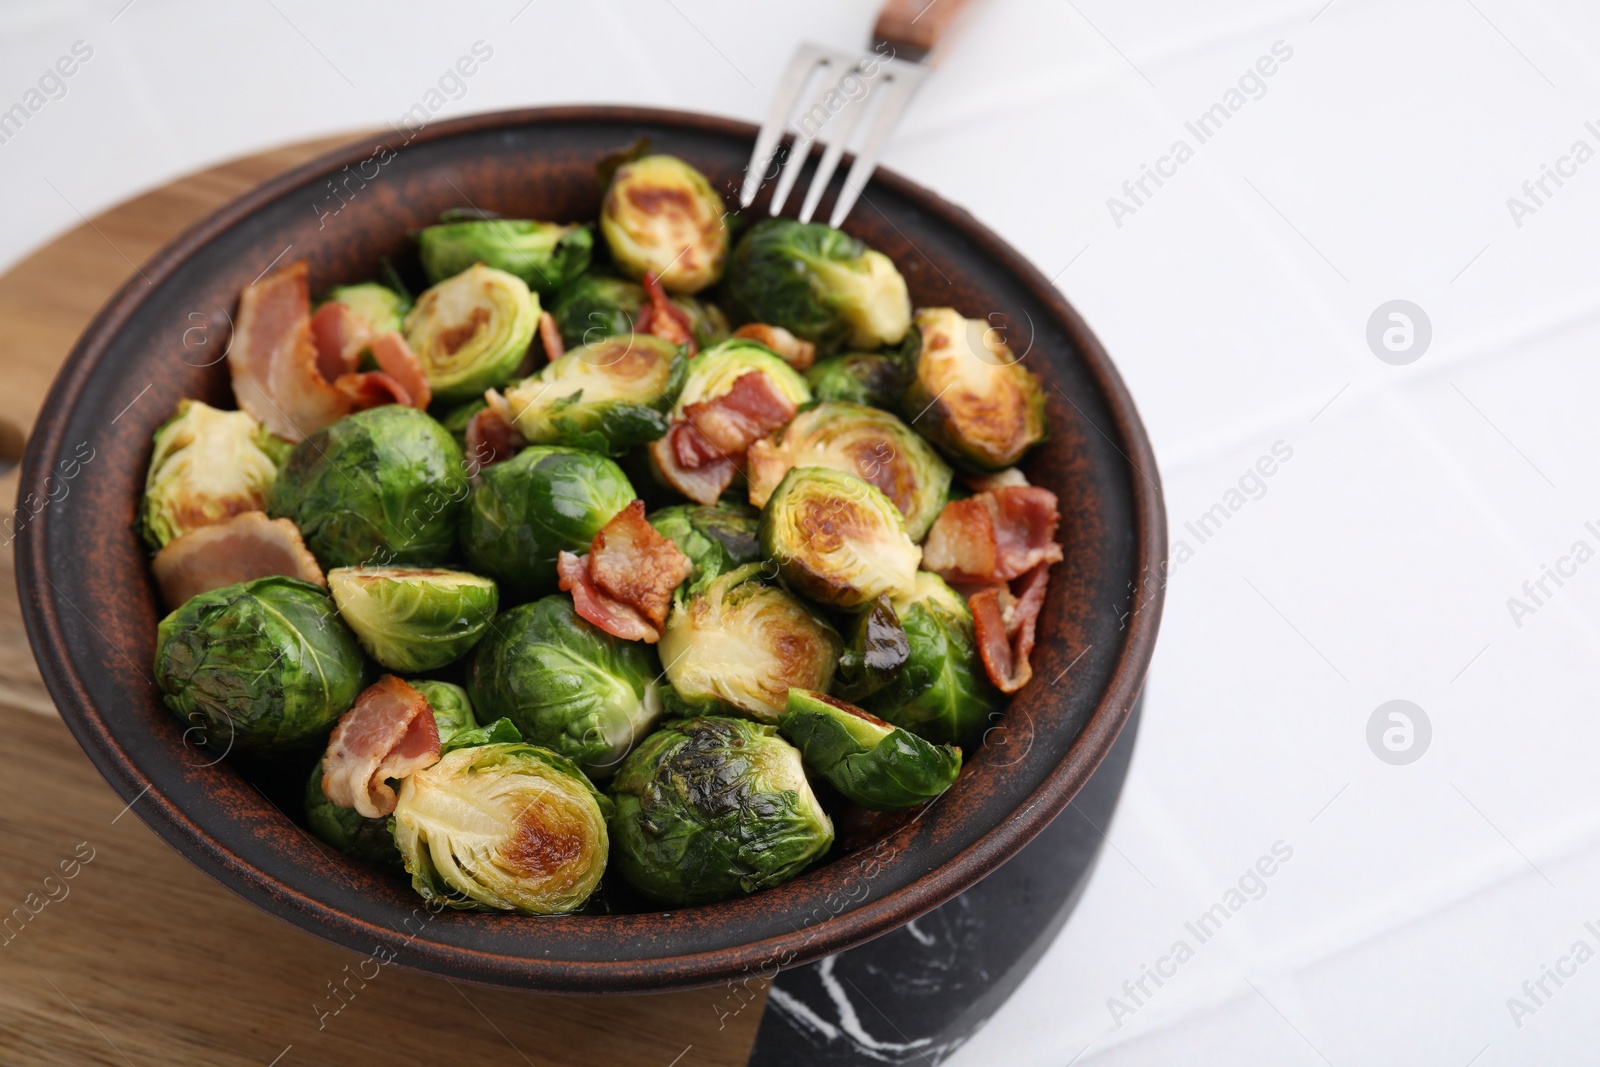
{"type": "Point", "coordinates": [904, 39]}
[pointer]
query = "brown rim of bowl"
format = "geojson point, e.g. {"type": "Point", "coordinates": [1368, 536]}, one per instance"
{"type": "Point", "coordinates": [850, 927]}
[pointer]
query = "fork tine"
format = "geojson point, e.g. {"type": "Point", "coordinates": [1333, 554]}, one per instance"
{"type": "Point", "coordinates": [804, 138]}
{"type": "Point", "coordinates": [837, 140]}
{"type": "Point", "coordinates": [794, 79]}
{"type": "Point", "coordinates": [904, 80]}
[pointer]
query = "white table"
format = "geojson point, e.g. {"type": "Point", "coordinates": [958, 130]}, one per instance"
{"type": "Point", "coordinates": [1374, 564]}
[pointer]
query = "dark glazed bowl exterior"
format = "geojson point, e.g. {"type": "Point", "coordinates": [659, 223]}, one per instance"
{"type": "Point", "coordinates": [91, 609]}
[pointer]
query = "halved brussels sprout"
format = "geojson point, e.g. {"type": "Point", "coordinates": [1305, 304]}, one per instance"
{"type": "Point", "coordinates": [566, 684]}
{"type": "Point", "coordinates": [970, 395]}
{"type": "Point", "coordinates": [592, 307]}
{"type": "Point", "coordinates": [258, 666]}
{"type": "Point", "coordinates": [874, 653]}
{"type": "Point", "coordinates": [543, 501]}
{"type": "Point", "coordinates": [608, 396]}
{"type": "Point", "coordinates": [869, 761]}
{"type": "Point", "coordinates": [545, 255]}
{"type": "Point", "coordinates": [942, 693]}
{"type": "Point", "coordinates": [414, 618]}
{"type": "Point", "coordinates": [385, 484]}
{"type": "Point", "coordinates": [451, 707]}
{"type": "Point", "coordinates": [660, 216]}
{"type": "Point", "coordinates": [741, 644]}
{"type": "Point", "coordinates": [207, 466]}
{"type": "Point", "coordinates": [508, 827]}
{"type": "Point", "coordinates": [873, 445]}
{"type": "Point", "coordinates": [347, 830]}
{"type": "Point", "coordinates": [818, 283]}
{"type": "Point", "coordinates": [716, 538]}
{"type": "Point", "coordinates": [710, 808]}
{"type": "Point", "coordinates": [471, 331]}
{"type": "Point", "coordinates": [713, 372]}
{"type": "Point", "coordinates": [381, 307]}
{"type": "Point", "coordinates": [837, 539]}
{"type": "Point", "coordinates": [873, 378]}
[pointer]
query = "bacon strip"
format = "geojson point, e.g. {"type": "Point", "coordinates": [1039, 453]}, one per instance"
{"type": "Point", "coordinates": [1005, 627]}
{"type": "Point", "coordinates": [274, 362]}
{"type": "Point", "coordinates": [371, 389]}
{"type": "Point", "coordinates": [611, 615]}
{"type": "Point", "coordinates": [625, 583]}
{"type": "Point", "coordinates": [238, 549]}
{"type": "Point", "coordinates": [743, 415]}
{"type": "Point", "coordinates": [339, 334]}
{"type": "Point", "coordinates": [792, 350]}
{"type": "Point", "coordinates": [994, 536]}
{"type": "Point", "coordinates": [396, 359]}
{"type": "Point", "coordinates": [491, 438]}
{"type": "Point", "coordinates": [662, 318]}
{"type": "Point", "coordinates": [389, 733]}
{"type": "Point", "coordinates": [630, 561]}
{"type": "Point", "coordinates": [704, 483]}
{"type": "Point", "coordinates": [550, 337]}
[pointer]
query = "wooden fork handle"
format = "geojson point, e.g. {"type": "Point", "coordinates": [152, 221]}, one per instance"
{"type": "Point", "coordinates": [913, 27]}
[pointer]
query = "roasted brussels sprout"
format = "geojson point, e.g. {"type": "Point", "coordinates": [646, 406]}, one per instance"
{"type": "Point", "coordinates": [660, 216]}
{"type": "Point", "coordinates": [543, 501]}
{"type": "Point", "coordinates": [471, 331]}
{"type": "Point", "coordinates": [505, 827]}
{"type": "Point", "coordinates": [970, 395]}
{"type": "Point", "coordinates": [608, 396]}
{"type": "Point", "coordinates": [875, 651]}
{"type": "Point", "coordinates": [414, 618]}
{"type": "Point", "coordinates": [819, 284]}
{"type": "Point", "coordinates": [566, 684]}
{"type": "Point", "coordinates": [593, 307]}
{"type": "Point", "coordinates": [737, 643]}
{"type": "Point", "coordinates": [207, 466]}
{"type": "Point", "coordinates": [942, 693]}
{"type": "Point", "coordinates": [710, 808]}
{"type": "Point", "coordinates": [873, 378]}
{"type": "Point", "coordinates": [545, 255]}
{"type": "Point", "coordinates": [381, 307]}
{"type": "Point", "coordinates": [873, 445]}
{"type": "Point", "coordinates": [347, 830]}
{"type": "Point", "coordinates": [451, 707]}
{"type": "Point", "coordinates": [869, 761]}
{"type": "Point", "coordinates": [258, 666]}
{"type": "Point", "coordinates": [385, 485]}
{"type": "Point", "coordinates": [837, 539]}
{"type": "Point", "coordinates": [716, 538]}
{"type": "Point", "coordinates": [713, 372]}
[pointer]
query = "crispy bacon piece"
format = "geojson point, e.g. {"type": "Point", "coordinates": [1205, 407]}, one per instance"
{"type": "Point", "coordinates": [1005, 627]}
{"type": "Point", "coordinates": [631, 561]}
{"type": "Point", "coordinates": [703, 484]}
{"type": "Point", "coordinates": [994, 536]}
{"type": "Point", "coordinates": [371, 389]}
{"type": "Point", "coordinates": [490, 436]}
{"type": "Point", "coordinates": [339, 334]}
{"type": "Point", "coordinates": [274, 362]}
{"type": "Point", "coordinates": [608, 613]}
{"type": "Point", "coordinates": [792, 350]}
{"type": "Point", "coordinates": [389, 733]}
{"type": "Point", "coordinates": [550, 337]}
{"type": "Point", "coordinates": [662, 318]}
{"type": "Point", "coordinates": [396, 359]}
{"type": "Point", "coordinates": [624, 584]}
{"type": "Point", "coordinates": [743, 415]}
{"type": "Point", "coordinates": [246, 546]}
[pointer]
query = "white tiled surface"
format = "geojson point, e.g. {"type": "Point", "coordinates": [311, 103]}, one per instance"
{"type": "Point", "coordinates": [1376, 164]}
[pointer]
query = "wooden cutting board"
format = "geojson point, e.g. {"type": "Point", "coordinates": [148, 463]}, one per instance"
{"type": "Point", "coordinates": [138, 959]}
